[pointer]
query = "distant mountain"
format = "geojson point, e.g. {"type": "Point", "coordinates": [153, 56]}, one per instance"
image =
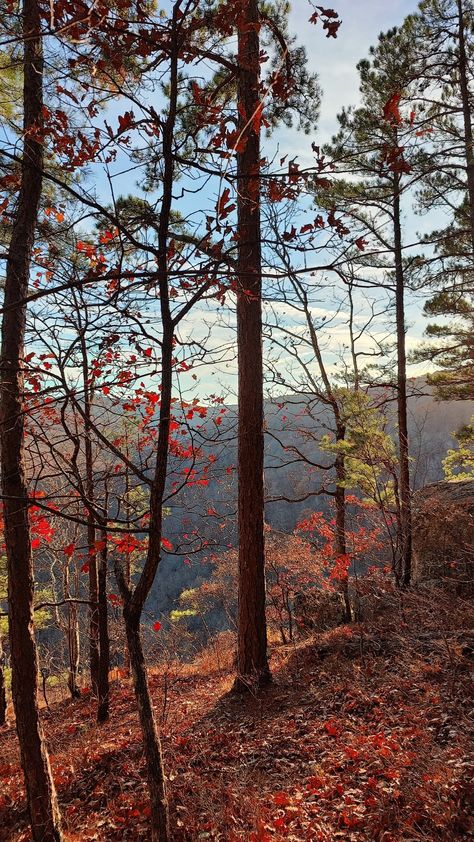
{"type": "Point", "coordinates": [210, 510]}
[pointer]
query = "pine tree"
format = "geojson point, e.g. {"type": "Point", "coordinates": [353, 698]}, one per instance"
{"type": "Point", "coordinates": [443, 66]}
{"type": "Point", "coordinates": [376, 155]}
{"type": "Point", "coordinates": [458, 464]}
{"type": "Point", "coordinates": [442, 89]}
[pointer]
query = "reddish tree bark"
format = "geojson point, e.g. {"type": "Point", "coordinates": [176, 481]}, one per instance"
{"type": "Point", "coordinates": [94, 650]}
{"type": "Point", "coordinates": [403, 571]}
{"type": "Point", "coordinates": [40, 791]}
{"type": "Point", "coordinates": [252, 632]}
{"type": "Point", "coordinates": [104, 642]}
{"type": "Point", "coordinates": [72, 636]}
{"type": "Point", "coordinates": [3, 695]}
{"type": "Point", "coordinates": [466, 112]}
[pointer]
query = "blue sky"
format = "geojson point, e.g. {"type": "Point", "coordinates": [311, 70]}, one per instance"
{"type": "Point", "coordinates": [335, 60]}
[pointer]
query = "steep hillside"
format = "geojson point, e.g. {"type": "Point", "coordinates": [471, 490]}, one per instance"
{"type": "Point", "coordinates": [365, 735]}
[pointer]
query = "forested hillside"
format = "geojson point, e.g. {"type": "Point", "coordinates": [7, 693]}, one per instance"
{"type": "Point", "coordinates": [236, 420]}
{"type": "Point", "coordinates": [431, 423]}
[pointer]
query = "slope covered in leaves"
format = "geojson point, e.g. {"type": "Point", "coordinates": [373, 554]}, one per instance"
{"type": "Point", "coordinates": [364, 735]}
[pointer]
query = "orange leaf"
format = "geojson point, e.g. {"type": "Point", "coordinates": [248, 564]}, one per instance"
{"type": "Point", "coordinates": [390, 109]}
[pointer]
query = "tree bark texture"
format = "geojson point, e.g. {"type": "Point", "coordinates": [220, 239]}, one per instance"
{"type": "Point", "coordinates": [3, 692]}
{"type": "Point", "coordinates": [403, 571]}
{"type": "Point", "coordinates": [73, 638]}
{"type": "Point", "coordinates": [104, 642]}
{"type": "Point", "coordinates": [340, 506]}
{"type": "Point", "coordinates": [252, 632]}
{"type": "Point", "coordinates": [466, 110]}
{"type": "Point", "coordinates": [160, 829]}
{"type": "Point", "coordinates": [94, 650]}
{"type": "Point", "coordinates": [40, 791]}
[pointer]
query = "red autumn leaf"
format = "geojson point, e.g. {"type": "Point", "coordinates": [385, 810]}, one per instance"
{"type": "Point", "coordinates": [167, 545]}
{"type": "Point", "coordinates": [331, 28]}
{"type": "Point", "coordinates": [423, 132]}
{"type": "Point", "coordinates": [331, 728]}
{"type": "Point", "coordinates": [127, 544]}
{"type": "Point", "coordinates": [41, 526]}
{"type": "Point", "coordinates": [328, 13]}
{"type": "Point", "coordinates": [147, 352]}
{"type": "Point", "coordinates": [35, 543]}
{"type": "Point", "coordinates": [391, 112]}
{"type": "Point", "coordinates": [276, 190]}
{"type": "Point", "coordinates": [257, 118]}
{"type": "Point", "coordinates": [281, 799]}
{"type": "Point", "coordinates": [85, 568]}
{"type": "Point", "coordinates": [157, 626]}
{"type": "Point", "coordinates": [106, 237]}
{"type": "Point", "coordinates": [289, 235]}
{"type": "Point", "coordinates": [125, 121]}
{"type": "Point", "coordinates": [395, 161]}
{"type": "Point", "coordinates": [223, 209]}
{"type": "Point", "coordinates": [196, 93]}
{"type": "Point", "coordinates": [224, 198]}
{"type": "Point", "coordinates": [68, 550]}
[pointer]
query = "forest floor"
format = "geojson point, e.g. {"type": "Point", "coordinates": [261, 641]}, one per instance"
{"type": "Point", "coordinates": [364, 734]}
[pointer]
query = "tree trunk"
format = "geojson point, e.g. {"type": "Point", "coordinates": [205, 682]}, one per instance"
{"type": "Point", "coordinates": [135, 597]}
{"type": "Point", "coordinates": [104, 647]}
{"type": "Point", "coordinates": [40, 791]}
{"type": "Point", "coordinates": [94, 652]}
{"type": "Point", "coordinates": [73, 640]}
{"type": "Point", "coordinates": [252, 632]}
{"type": "Point", "coordinates": [128, 558]}
{"type": "Point", "coordinates": [73, 652]}
{"type": "Point", "coordinates": [160, 829]}
{"type": "Point", "coordinates": [339, 461]}
{"type": "Point", "coordinates": [404, 564]}
{"type": "Point", "coordinates": [3, 693]}
{"type": "Point", "coordinates": [466, 110]}
{"type": "Point", "coordinates": [340, 505]}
